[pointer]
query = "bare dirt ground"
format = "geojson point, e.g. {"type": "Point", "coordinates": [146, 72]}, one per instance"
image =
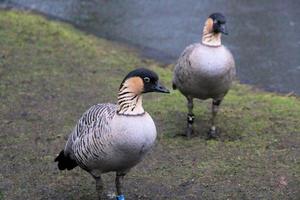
{"type": "Point", "coordinates": [50, 73]}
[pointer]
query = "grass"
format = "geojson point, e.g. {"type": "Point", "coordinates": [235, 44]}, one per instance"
{"type": "Point", "coordinates": [50, 73]}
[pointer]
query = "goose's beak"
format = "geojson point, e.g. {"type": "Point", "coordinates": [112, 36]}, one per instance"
{"type": "Point", "coordinates": [223, 29]}
{"type": "Point", "coordinates": [160, 88]}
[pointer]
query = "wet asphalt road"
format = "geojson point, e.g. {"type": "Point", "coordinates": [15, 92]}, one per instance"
{"type": "Point", "coordinates": [263, 34]}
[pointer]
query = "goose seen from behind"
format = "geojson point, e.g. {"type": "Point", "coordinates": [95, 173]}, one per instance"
{"type": "Point", "coordinates": [205, 70]}
{"type": "Point", "coordinates": [114, 138]}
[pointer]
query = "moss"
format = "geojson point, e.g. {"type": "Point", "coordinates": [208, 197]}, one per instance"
{"type": "Point", "coordinates": [50, 73]}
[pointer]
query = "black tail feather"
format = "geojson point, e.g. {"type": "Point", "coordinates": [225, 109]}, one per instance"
{"type": "Point", "coordinates": [65, 162]}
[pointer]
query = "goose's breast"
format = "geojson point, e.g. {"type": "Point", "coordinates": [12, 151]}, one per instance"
{"type": "Point", "coordinates": [211, 72]}
{"type": "Point", "coordinates": [211, 61]}
{"type": "Point", "coordinates": [133, 137]}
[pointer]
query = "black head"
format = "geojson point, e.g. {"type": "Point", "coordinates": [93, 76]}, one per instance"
{"type": "Point", "coordinates": [149, 80]}
{"type": "Point", "coordinates": [219, 22]}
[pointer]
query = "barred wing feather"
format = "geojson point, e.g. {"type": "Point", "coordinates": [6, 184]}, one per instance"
{"type": "Point", "coordinates": [86, 143]}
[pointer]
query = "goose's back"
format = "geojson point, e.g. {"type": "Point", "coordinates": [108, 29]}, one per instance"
{"type": "Point", "coordinates": [204, 72]}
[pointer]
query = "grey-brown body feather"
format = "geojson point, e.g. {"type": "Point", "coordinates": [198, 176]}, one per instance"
{"type": "Point", "coordinates": [104, 141]}
{"type": "Point", "coordinates": [204, 72]}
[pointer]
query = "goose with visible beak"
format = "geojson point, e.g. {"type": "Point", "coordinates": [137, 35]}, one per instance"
{"type": "Point", "coordinates": [205, 70]}
{"type": "Point", "coordinates": [114, 138]}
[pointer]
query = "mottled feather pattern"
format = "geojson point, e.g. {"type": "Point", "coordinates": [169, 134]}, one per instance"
{"type": "Point", "coordinates": [89, 137]}
{"type": "Point", "coordinates": [182, 63]}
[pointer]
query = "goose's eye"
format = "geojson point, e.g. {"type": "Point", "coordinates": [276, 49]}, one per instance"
{"type": "Point", "coordinates": [147, 79]}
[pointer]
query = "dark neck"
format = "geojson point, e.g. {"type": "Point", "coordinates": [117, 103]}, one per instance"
{"type": "Point", "coordinates": [209, 38]}
{"type": "Point", "coordinates": [212, 39]}
{"type": "Point", "coordinates": [129, 103]}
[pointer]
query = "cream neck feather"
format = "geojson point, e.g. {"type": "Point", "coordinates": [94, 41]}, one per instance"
{"type": "Point", "coordinates": [210, 38]}
{"type": "Point", "coordinates": [129, 101]}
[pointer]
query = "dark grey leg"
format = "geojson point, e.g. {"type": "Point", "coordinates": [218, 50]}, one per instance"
{"type": "Point", "coordinates": [190, 117]}
{"type": "Point", "coordinates": [99, 187]}
{"type": "Point", "coordinates": [119, 179]}
{"type": "Point", "coordinates": [212, 134]}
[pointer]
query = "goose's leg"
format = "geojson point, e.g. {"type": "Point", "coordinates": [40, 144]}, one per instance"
{"type": "Point", "coordinates": [99, 186]}
{"type": "Point", "coordinates": [190, 117]}
{"type": "Point", "coordinates": [119, 179]}
{"type": "Point", "coordinates": [212, 134]}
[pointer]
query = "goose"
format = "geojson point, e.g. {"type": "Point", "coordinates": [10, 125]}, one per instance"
{"type": "Point", "coordinates": [114, 137]}
{"type": "Point", "coordinates": [205, 71]}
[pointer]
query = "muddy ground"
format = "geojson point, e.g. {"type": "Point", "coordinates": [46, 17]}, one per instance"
{"type": "Point", "coordinates": [50, 73]}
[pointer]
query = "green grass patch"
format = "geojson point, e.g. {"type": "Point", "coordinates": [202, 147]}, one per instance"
{"type": "Point", "coordinates": [50, 73]}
